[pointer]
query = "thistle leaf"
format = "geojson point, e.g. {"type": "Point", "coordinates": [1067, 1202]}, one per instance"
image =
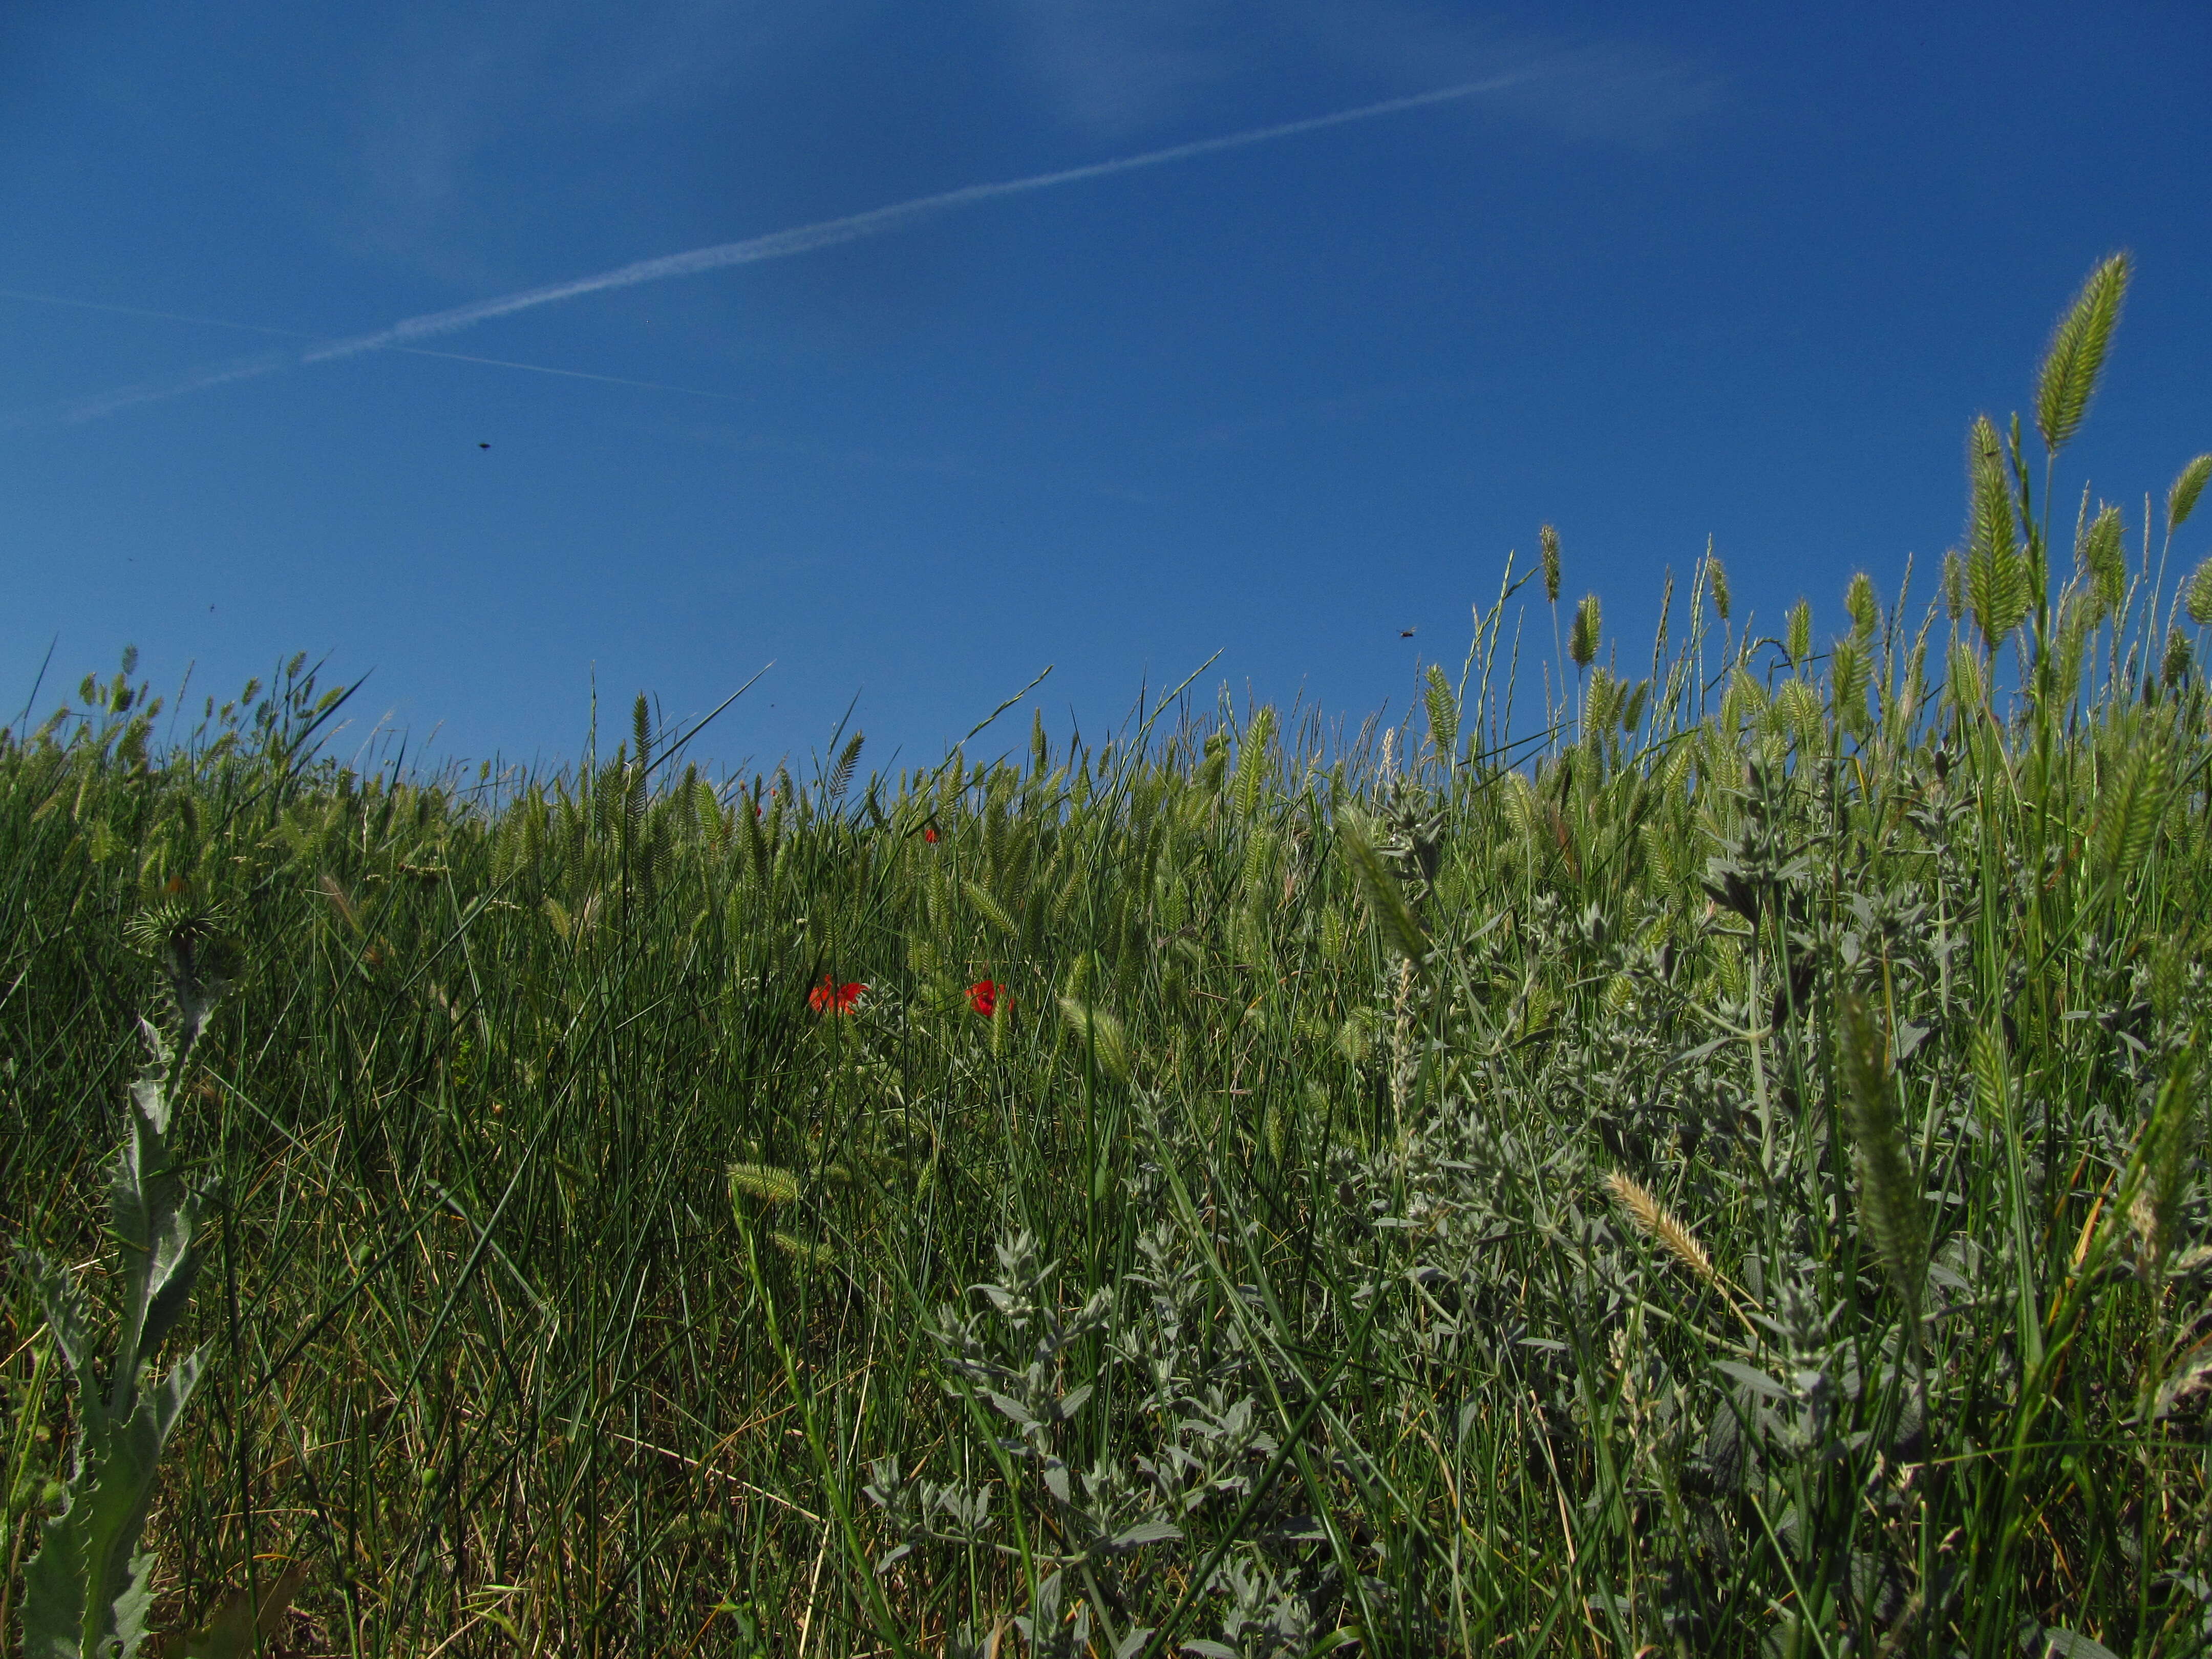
{"type": "Point", "coordinates": [89, 1589]}
{"type": "Point", "coordinates": [2076, 354]}
{"type": "Point", "coordinates": [62, 1302]}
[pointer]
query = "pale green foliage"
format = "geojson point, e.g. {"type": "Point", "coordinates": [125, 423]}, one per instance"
{"type": "Point", "coordinates": [88, 1591]}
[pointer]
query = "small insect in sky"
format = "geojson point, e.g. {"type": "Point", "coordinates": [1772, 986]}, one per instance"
{"type": "Point", "coordinates": [483, 446]}
{"type": "Point", "coordinates": [1404, 633]}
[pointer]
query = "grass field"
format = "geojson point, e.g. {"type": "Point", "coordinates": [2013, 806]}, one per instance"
{"type": "Point", "coordinates": [1710, 1167]}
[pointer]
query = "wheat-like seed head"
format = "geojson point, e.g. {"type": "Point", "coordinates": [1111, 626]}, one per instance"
{"type": "Point", "coordinates": [764, 1181]}
{"type": "Point", "coordinates": [1890, 1207]}
{"type": "Point", "coordinates": [1656, 1222]}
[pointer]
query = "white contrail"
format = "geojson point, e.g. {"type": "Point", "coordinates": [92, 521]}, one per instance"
{"type": "Point", "coordinates": [410, 351]}
{"type": "Point", "coordinates": [778, 244]}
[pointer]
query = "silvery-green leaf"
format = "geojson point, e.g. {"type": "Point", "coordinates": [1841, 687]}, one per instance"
{"type": "Point", "coordinates": [1145, 1532]}
{"type": "Point", "coordinates": [89, 1585]}
{"type": "Point", "coordinates": [1757, 1380]}
{"type": "Point", "coordinates": [2059, 1642]}
{"type": "Point", "coordinates": [1072, 1402]}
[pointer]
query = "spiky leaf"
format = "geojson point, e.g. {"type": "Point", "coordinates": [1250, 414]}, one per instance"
{"type": "Point", "coordinates": [89, 1589]}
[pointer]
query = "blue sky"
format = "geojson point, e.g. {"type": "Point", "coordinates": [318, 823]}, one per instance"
{"type": "Point", "coordinates": [1736, 272]}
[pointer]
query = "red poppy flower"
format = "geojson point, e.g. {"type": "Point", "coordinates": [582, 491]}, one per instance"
{"type": "Point", "coordinates": [929, 832]}
{"type": "Point", "coordinates": [983, 997]}
{"type": "Point", "coordinates": [831, 997]}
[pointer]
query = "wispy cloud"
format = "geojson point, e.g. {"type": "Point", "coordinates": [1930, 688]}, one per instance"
{"type": "Point", "coordinates": [269, 362]}
{"type": "Point", "coordinates": [449, 91]}
{"type": "Point", "coordinates": [1110, 68]}
{"type": "Point", "coordinates": [777, 245]}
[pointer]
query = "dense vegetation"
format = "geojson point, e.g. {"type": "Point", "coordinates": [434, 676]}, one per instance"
{"type": "Point", "coordinates": [1721, 1176]}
